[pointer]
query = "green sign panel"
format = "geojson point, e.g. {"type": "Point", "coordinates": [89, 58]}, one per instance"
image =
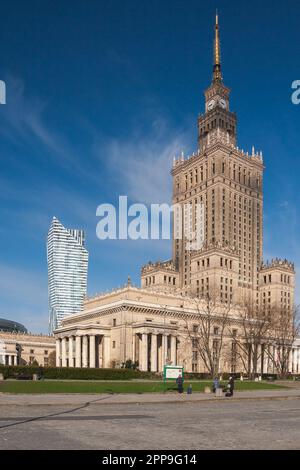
{"type": "Point", "coordinates": [173, 372]}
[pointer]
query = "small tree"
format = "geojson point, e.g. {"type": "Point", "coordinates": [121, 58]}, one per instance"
{"type": "Point", "coordinates": [206, 335]}
{"type": "Point", "coordinates": [129, 364]}
{"type": "Point", "coordinates": [285, 330]}
{"type": "Point", "coordinates": [52, 359]}
{"type": "Point", "coordinates": [255, 325]}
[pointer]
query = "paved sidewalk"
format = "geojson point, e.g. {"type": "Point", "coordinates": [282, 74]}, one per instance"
{"type": "Point", "coordinates": [133, 398]}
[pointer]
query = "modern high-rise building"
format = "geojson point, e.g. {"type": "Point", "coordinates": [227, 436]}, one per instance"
{"type": "Point", "coordinates": [67, 272]}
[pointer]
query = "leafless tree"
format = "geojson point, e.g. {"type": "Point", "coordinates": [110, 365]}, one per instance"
{"type": "Point", "coordinates": [206, 330]}
{"type": "Point", "coordinates": [254, 325]}
{"type": "Point", "coordinates": [285, 329]}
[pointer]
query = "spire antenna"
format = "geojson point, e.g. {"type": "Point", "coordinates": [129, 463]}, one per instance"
{"type": "Point", "coordinates": [217, 74]}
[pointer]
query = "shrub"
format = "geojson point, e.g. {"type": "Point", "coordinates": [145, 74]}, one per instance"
{"type": "Point", "coordinates": [76, 373]}
{"type": "Point", "coordinates": [129, 364]}
{"type": "Point", "coordinates": [207, 376]}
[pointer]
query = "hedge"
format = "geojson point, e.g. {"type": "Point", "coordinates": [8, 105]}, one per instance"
{"type": "Point", "coordinates": [75, 373]}
{"type": "Point", "coordinates": [207, 376]}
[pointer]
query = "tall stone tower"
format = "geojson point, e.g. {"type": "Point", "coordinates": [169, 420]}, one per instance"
{"type": "Point", "coordinates": [227, 182]}
{"type": "Point", "coordinates": [219, 193]}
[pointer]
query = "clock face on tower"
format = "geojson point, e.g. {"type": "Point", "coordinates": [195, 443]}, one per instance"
{"type": "Point", "coordinates": [222, 103]}
{"type": "Point", "coordinates": [210, 105]}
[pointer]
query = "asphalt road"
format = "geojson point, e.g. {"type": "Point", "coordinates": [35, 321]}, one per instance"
{"type": "Point", "coordinates": [265, 424]}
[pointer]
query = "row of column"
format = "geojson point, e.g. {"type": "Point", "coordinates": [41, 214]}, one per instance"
{"type": "Point", "coordinates": [148, 349]}
{"type": "Point", "coordinates": [294, 364]}
{"type": "Point", "coordinates": [82, 351]}
{"type": "Point", "coordinates": [268, 354]}
{"type": "Point", "coordinates": [9, 359]}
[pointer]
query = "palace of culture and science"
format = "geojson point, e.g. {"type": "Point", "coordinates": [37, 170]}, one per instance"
{"type": "Point", "coordinates": [148, 324]}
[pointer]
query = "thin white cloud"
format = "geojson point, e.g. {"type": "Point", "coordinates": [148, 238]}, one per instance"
{"type": "Point", "coordinates": [140, 165]}
{"type": "Point", "coordinates": [24, 123]}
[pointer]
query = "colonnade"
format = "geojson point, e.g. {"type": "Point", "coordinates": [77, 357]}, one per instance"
{"type": "Point", "coordinates": [83, 351]}
{"type": "Point", "coordinates": [269, 354]}
{"type": "Point", "coordinates": [9, 359]}
{"type": "Point", "coordinates": [153, 351]}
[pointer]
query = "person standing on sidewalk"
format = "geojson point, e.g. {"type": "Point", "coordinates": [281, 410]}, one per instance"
{"type": "Point", "coordinates": [230, 387]}
{"type": "Point", "coordinates": [216, 384]}
{"type": "Point", "coordinates": [179, 382]}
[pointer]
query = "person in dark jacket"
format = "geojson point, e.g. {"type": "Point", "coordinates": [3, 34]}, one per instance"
{"type": "Point", "coordinates": [179, 382]}
{"type": "Point", "coordinates": [40, 373]}
{"type": "Point", "coordinates": [230, 387]}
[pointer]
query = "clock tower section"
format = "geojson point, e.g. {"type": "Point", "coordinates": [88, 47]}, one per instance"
{"type": "Point", "coordinates": [218, 123]}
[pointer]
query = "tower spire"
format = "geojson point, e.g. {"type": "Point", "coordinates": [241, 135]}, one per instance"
{"type": "Point", "coordinates": [217, 74]}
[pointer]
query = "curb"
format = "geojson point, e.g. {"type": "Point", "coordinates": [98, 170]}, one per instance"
{"type": "Point", "coordinates": [179, 402]}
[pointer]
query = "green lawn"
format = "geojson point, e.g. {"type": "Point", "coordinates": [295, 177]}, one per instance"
{"type": "Point", "coordinates": [59, 386]}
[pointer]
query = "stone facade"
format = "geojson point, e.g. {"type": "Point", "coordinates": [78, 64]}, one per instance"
{"type": "Point", "coordinates": [23, 348]}
{"type": "Point", "coordinates": [147, 326]}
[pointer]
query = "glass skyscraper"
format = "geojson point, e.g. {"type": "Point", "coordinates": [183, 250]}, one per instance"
{"type": "Point", "coordinates": [67, 272]}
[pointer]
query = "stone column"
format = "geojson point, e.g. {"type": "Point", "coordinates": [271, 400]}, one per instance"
{"type": "Point", "coordinates": [298, 362]}
{"type": "Point", "coordinates": [63, 352]}
{"type": "Point", "coordinates": [84, 351]}
{"type": "Point", "coordinates": [106, 352]}
{"type": "Point", "coordinates": [78, 351]}
{"type": "Point", "coordinates": [100, 351]}
{"type": "Point", "coordinates": [251, 360]}
{"type": "Point", "coordinates": [259, 351]}
{"type": "Point", "coordinates": [291, 360]}
{"type": "Point", "coordinates": [57, 342]}
{"type": "Point", "coordinates": [295, 360]}
{"type": "Point", "coordinates": [154, 352]}
{"type": "Point", "coordinates": [10, 360]}
{"type": "Point", "coordinates": [133, 347]}
{"type": "Point", "coordinates": [266, 359]}
{"type": "Point", "coordinates": [173, 350]}
{"type": "Point", "coordinates": [144, 359]}
{"type": "Point", "coordinates": [92, 351]}
{"type": "Point", "coordinates": [71, 362]}
{"type": "Point", "coordinates": [164, 350]}
{"type": "Point", "coordinates": [273, 352]}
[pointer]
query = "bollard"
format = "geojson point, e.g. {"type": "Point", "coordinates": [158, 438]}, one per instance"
{"type": "Point", "coordinates": [207, 390]}
{"type": "Point", "coordinates": [1, 376]}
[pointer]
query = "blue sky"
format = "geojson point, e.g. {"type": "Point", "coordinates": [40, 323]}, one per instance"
{"type": "Point", "coordinates": [102, 94]}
